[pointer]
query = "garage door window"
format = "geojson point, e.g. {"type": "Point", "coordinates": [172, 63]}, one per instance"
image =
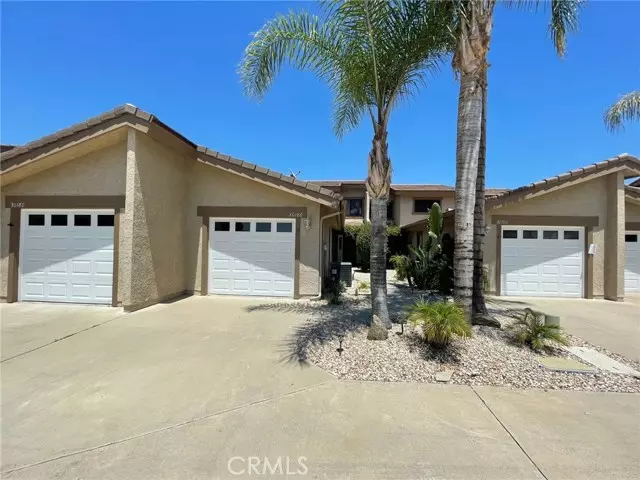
{"type": "Point", "coordinates": [263, 226]}
{"type": "Point", "coordinates": [36, 220]}
{"type": "Point", "coordinates": [530, 234]}
{"type": "Point", "coordinates": [82, 220]}
{"type": "Point", "coordinates": [631, 238]}
{"type": "Point", "coordinates": [222, 226]}
{"type": "Point", "coordinates": [509, 234]}
{"type": "Point", "coordinates": [243, 226]}
{"type": "Point", "coordinates": [105, 220]}
{"type": "Point", "coordinates": [571, 235]}
{"type": "Point", "coordinates": [284, 227]}
{"type": "Point", "coordinates": [58, 220]}
{"type": "Point", "coordinates": [550, 235]}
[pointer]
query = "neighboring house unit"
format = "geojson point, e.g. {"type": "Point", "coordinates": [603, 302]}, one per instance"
{"type": "Point", "coordinates": [408, 205]}
{"type": "Point", "coordinates": [123, 210]}
{"type": "Point", "coordinates": [573, 235]}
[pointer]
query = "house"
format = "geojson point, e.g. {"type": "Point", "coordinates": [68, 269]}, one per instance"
{"type": "Point", "coordinates": [408, 205]}
{"type": "Point", "coordinates": [123, 210]}
{"type": "Point", "coordinates": [573, 235]}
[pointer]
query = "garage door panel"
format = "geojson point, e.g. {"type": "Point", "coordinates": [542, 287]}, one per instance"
{"type": "Point", "coordinates": [544, 265]}
{"type": "Point", "coordinates": [260, 262]}
{"type": "Point", "coordinates": [632, 262]}
{"type": "Point", "coordinates": [72, 264]}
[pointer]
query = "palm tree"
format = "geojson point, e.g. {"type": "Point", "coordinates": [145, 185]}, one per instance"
{"type": "Point", "coordinates": [373, 54]}
{"type": "Point", "coordinates": [626, 109]}
{"type": "Point", "coordinates": [473, 25]}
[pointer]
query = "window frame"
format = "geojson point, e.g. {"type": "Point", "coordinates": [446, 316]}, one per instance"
{"type": "Point", "coordinates": [362, 205]}
{"type": "Point", "coordinates": [577, 232]}
{"type": "Point", "coordinates": [83, 215]}
{"type": "Point", "coordinates": [418, 199]}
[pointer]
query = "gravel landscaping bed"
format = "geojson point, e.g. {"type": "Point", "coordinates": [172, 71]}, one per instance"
{"type": "Point", "coordinates": [489, 358]}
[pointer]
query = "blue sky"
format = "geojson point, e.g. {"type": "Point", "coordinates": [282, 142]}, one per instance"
{"type": "Point", "coordinates": [64, 62]}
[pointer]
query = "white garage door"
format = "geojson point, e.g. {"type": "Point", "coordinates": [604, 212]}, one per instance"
{"type": "Point", "coordinates": [251, 256]}
{"type": "Point", "coordinates": [66, 256]}
{"type": "Point", "coordinates": [632, 262]}
{"type": "Point", "coordinates": [542, 261]}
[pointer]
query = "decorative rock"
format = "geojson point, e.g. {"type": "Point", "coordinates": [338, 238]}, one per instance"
{"type": "Point", "coordinates": [444, 376]}
{"type": "Point", "coordinates": [486, 320]}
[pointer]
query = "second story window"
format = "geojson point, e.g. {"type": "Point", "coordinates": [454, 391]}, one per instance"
{"type": "Point", "coordinates": [355, 207]}
{"type": "Point", "coordinates": [422, 206]}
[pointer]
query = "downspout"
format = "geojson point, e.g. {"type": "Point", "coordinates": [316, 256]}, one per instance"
{"type": "Point", "coordinates": [320, 255]}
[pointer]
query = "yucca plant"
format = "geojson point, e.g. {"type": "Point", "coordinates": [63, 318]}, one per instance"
{"type": "Point", "coordinates": [440, 321]}
{"type": "Point", "coordinates": [530, 329]}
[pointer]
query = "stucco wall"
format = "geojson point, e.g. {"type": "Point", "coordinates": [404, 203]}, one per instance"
{"type": "Point", "coordinates": [211, 186]}
{"type": "Point", "coordinates": [101, 172]}
{"type": "Point", "coordinates": [403, 207]}
{"type": "Point", "coordinates": [153, 223]}
{"type": "Point", "coordinates": [632, 212]}
{"type": "Point", "coordinates": [585, 199]}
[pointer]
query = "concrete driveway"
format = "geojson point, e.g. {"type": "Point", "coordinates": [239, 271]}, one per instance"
{"type": "Point", "coordinates": [194, 388]}
{"type": "Point", "coordinates": [612, 325]}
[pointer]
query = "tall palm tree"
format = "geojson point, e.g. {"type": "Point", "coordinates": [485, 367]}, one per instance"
{"type": "Point", "coordinates": [373, 54]}
{"type": "Point", "coordinates": [626, 109]}
{"type": "Point", "coordinates": [473, 25]}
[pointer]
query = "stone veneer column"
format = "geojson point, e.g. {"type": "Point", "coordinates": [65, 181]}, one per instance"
{"type": "Point", "coordinates": [614, 238]}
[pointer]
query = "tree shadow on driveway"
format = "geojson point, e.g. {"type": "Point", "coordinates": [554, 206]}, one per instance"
{"type": "Point", "coordinates": [325, 323]}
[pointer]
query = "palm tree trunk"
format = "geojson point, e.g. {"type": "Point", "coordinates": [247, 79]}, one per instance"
{"type": "Point", "coordinates": [470, 61]}
{"type": "Point", "coordinates": [479, 306]}
{"type": "Point", "coordinates": [467, 148]}
{"type": "Point", "coordinates": [378, 185]}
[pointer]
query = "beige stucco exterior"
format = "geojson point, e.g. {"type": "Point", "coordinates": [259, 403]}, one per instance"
{"type": "Point", "coordinates": [209, 186]}
{"type": "Point", "coordinates": [99, 172]}
{"type": "Point", "coordinates": [154, 239]}
{"type": "Point", "coordinates": [403, 206]}
{"type": "Point", "coordinates": [160, 232]}
{"type": "Point", "coordinates": [632, 211]}
{"type": "Point", "coordinates": [598, 197]}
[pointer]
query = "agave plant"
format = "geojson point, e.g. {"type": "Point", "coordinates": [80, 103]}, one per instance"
{"type": "Point", "coordinates": [530, 329]}
{"type": "Point", "coordinates": [440, 321]}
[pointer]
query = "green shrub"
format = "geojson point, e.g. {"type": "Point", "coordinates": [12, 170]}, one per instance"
{"type": "Point", "coordinates": [529, 329]}
{"type": "Point", "coordinates": [428, 272]}
{"type": "Point", "coordinates": [440, 321]}
{"type": "Point", "coordinates": [333, 291]}
{"type": "Point", "coordinates": [402, 265]}
{"type": "Point", "coordinates": [363, 285]}
{"type": "Point", "coordinates": [361, 232]}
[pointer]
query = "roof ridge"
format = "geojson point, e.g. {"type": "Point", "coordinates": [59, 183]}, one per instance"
{"type": "Point", "coordinates": [129, 108]}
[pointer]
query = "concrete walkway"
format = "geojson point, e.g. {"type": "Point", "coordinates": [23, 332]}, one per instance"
{"type": "Point", "coordinates": [194, 388]}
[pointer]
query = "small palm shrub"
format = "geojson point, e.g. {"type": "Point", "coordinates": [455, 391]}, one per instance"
{"type": "Point", "coordinates": [529, 329]}
{"type": "Point", "coordinates": [364, 285]}
{"type": "Point", "coordinates": [440, 321]}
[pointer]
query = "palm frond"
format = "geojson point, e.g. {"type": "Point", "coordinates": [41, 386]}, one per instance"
{"type": "Point", "coordinates": [304, 40]}
{"type": "Point", "coordinates": [626, 109]}
{"type": "Point", "coordinates": [564, 18]}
